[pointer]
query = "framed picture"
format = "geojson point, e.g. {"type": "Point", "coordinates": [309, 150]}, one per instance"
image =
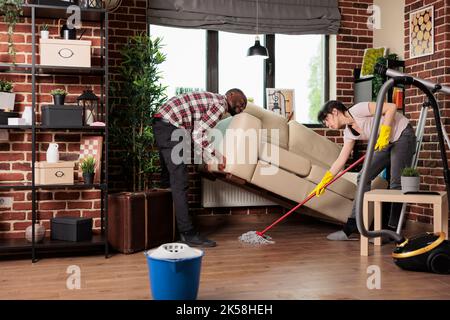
{"type": "Point", "coordinates": [281, 101]}
{"type": "Point", "coordinates": [370, 58]}
{"type": "Point", "coordinates": [92, 146]}
{"type": "Point", "coordinates": [421, 32]}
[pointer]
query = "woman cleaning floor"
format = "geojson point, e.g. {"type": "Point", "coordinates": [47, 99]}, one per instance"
{"type": "Point", "coordinates": [395, 146]}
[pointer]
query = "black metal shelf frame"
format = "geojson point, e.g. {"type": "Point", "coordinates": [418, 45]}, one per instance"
{"type": "Point", "coordinates": [54, 12]}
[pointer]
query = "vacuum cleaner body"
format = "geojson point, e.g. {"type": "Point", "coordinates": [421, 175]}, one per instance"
{"type": "Point", "coordinates": [428, 252]}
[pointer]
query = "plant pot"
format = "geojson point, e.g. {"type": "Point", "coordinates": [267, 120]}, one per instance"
{"type": "Point", "coordinates": [7, 100]}
{"type": "Point", "coordinates": [88, 178]}
{"type": "Point", "coordinates": [44, 34]}
{"type": "Point", "coordinates": [39, 233]}
{"type": "Point", "coordinates": [410, 184]}
{"type": "Point", "coordinates": [59, 99]}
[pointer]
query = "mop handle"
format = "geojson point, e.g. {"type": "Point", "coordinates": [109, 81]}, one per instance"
{"type": "Point", "coordinates": [310, 197]}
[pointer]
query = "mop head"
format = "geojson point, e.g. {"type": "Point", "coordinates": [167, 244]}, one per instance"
{"type": "Point", "coordinates": [252, 237]}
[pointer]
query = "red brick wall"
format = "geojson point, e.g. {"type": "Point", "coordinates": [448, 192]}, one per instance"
{"type": "Point", "coordinates": [15, 155]}
{"type": "Point", "coordinates": [434, 68]}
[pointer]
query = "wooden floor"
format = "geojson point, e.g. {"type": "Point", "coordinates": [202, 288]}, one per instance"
{"type": "Point", "coordinates": [302, 264]}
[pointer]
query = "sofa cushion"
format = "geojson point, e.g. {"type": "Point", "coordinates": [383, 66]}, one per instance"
{"type": "Point", "coordinates": [240, 145]}
{"type": "Point", "coordinates": [304, 140]}
{"type": "Point", "coordinates": [330, 205]}
{"type": "Point", "coordinates": [270, 121]}
{"type": "Point", "coordinates": [284, 159]}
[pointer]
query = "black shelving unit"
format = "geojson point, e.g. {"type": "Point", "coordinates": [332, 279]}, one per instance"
{"type": "Point", "coordinates": [16, 247]}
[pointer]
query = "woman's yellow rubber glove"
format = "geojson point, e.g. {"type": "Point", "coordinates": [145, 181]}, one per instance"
{"type": "Point", "coordinates": [319, 189]}
{"type": "Point", "coordinates": [383, 138]}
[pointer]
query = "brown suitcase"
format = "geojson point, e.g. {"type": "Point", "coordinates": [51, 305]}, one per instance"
{"type": "Point", "coordinates": [140, 220]}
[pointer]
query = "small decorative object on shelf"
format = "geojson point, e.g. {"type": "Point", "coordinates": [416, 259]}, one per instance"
{"type": "Point", "coordinates": [7, 97]}
{"type": "Point", "coordinates": [44, 31]}
{"type": "Point", "coordinates": [91, 146]}
{"type": "Point", "coordinates": [39, 233]}
{"type": "Point", "coordinates": [410, 180]}
{"type": "Point", "coordinates": [87, 165]}
{"type": "Point", "coordinates": [27, 116]}
{"type": "Point", "coordinates": [58, 96]}
{"type": "Point", "coordinates": [89, 102]}
{"type": "Point", "coordinates": [53, 153]}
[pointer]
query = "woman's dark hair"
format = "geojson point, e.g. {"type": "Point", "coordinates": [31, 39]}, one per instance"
{"type": "Point", "coordinates": [328, 108]}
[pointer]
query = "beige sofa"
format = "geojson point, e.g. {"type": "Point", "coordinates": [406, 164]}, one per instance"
{"type": "Point", "coordinates": [288, 159]}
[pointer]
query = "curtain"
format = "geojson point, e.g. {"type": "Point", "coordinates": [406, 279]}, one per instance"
{"type": "Point", "coordinates": [240, 16]}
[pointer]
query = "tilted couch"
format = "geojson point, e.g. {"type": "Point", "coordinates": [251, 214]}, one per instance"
{"type": "Point", "coordinates": [286, 158]}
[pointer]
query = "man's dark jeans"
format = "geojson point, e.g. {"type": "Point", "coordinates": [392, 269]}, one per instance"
{"type": "Point", "coordinates": [172, 172]}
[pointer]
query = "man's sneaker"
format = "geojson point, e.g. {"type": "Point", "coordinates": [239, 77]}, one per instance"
{"type": "Point", "coordinates": [194, 239]}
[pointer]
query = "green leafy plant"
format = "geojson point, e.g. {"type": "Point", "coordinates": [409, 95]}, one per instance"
{"type": "Point", "coordinates": [5, 86]}
{"type": "Point", "coordinates": [378, 80]}
{"type": "Point", "coordinates": [87, 165]}
{"type": "Point", "coordinates": [410, 172]}
{"type": "Point", "coordinates": [136, 98]}
{"type": "Point", "coordinates": [44, 27]}
{"type": "Point", "coordinates": [58, 92]}
{"type": "Point", "coordinates": [11, 11]}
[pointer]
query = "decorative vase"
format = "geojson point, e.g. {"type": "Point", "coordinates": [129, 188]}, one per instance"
{"type": "Point", "coordinates": [28, 115]}
{"type": "Point", "coordinates": [39, 233]}
{"type": "Point", "coordinates": [52, 153]}
{"type": "Point", "coordinates": [7, 100]}
{"type": "Point", "coordinates": [59, 99]}
{"type": "Point", "coordinates": [410, 184]}
{"type": "Point", "coordinates": [44, 34]}
{"type": "Point", "coordinates": [88, 177]}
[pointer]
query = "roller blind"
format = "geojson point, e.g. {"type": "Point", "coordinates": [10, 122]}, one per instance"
{"type": "Point", "coordinates": [274, 16]}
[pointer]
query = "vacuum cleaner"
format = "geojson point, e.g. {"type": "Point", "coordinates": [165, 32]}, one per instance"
{"type": "Point", "coordinates": [427, 252]}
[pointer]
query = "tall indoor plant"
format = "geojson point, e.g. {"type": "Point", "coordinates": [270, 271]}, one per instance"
{"type": "Point", "coordinates": [138, 97]}
{"type": "Point", "coordinates": [143, 218]}
{"type": "Point", "coordinates": [11, 11]}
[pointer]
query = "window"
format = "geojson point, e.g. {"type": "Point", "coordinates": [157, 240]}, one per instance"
{"type": "Point", "coordinates": [236, 70]}
{"type": "Point", "coordinates": [300, 65]}
{"type": "Point", "coordinates": [185, 65]}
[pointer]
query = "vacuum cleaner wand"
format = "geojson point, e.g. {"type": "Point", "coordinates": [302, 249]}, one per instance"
{"type": "Point", "coordinates": [384, 71]}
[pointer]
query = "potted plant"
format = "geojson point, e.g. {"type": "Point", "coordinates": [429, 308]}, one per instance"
{"type": "Point", "coordinates": [7, 97]}
{"type": "Point", "coordinates": [131, 133]}
{"type": "Point", "coordinates": [58, 96]}
{"type": "Point", "coordinates": [11, 11]}
{"type": "Point", "coordinates": [44, 31]}
{"type": "Point", "coordinates": [87, 166]}
{"type": "Point", "coordinates": [410, 180]}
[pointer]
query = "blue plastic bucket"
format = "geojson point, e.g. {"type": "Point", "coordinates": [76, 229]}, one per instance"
{"type": "Point", "coordinates": [174, 279]}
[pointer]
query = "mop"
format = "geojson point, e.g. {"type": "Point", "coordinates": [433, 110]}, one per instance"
{"type": "Point", "coordinates": [259, 237]}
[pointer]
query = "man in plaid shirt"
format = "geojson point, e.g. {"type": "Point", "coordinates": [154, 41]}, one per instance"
{"type": "Point", "coordinates": [192, 114]}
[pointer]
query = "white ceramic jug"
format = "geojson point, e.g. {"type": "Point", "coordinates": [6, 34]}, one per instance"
{"type": "Point", "coordinates": [52, 153]}
{"type": "Point", "coordinates": [27, 115]}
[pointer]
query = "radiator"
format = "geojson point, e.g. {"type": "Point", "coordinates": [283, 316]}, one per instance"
{"type": "Point", "coordinates": [221, 194]}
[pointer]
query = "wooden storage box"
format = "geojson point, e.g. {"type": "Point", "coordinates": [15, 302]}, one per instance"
{"type": "Point", "coordinates": [54, 173]}
{"type": "Point", "coordinates": [65, 53]}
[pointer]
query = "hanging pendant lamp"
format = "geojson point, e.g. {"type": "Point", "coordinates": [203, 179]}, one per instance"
{"type": "Point", "coordinates": [257, 50]}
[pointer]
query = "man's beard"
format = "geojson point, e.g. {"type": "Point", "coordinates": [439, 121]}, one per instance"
{"type": "Point", "coordinates": [232, 111]}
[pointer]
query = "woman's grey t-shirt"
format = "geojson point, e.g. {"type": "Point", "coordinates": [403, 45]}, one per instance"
{"type": "Point", "coordinates": [361, 114]}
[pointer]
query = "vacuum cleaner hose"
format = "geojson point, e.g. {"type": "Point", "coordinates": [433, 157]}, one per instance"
{"type": "Point", "coordinates": [365, 172]}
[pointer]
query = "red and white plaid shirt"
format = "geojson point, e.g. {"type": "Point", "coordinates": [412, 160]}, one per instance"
{"type": "Point", "coordinates": [196, 112]}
